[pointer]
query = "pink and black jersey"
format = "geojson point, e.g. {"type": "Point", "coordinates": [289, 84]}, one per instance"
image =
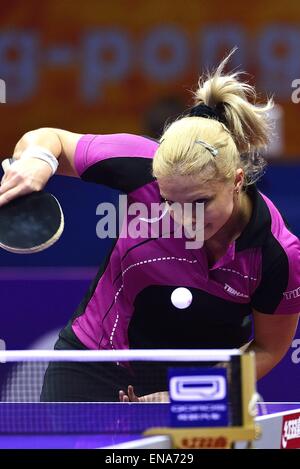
{"type": "Point", "coordinates": [128, 304]}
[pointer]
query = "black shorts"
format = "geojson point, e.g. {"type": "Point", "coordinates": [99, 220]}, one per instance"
{"type": "Point", "coordinates": [96, 381]}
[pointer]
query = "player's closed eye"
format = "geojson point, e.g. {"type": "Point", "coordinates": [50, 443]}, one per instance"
{"type": "Point", "coordinates": [202, 201]}
{"type": "Point", "coordinates": [198, 201]}
{"type": "Point", "coordinates": [167, 201]}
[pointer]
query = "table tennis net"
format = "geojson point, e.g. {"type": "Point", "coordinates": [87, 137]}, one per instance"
{"type": "Point", "coordinates": [75, 391]}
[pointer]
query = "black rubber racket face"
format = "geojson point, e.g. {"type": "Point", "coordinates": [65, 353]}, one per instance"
{"type": "Point", "coordinates": [30, 223]}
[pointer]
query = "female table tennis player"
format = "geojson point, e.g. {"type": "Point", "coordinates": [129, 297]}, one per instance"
{"type": "Point", "coordinates": [247, 271]}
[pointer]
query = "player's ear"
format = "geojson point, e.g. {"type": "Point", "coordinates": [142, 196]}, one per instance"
{"type": "Point", "coordinates": [239, 180]}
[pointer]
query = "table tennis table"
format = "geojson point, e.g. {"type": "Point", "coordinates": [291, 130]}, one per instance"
{"type": "Point", "coordinates": [45, 426]}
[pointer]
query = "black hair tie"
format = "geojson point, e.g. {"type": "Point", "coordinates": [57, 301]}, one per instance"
{"type": "Point", "coordinates": [202, 110]}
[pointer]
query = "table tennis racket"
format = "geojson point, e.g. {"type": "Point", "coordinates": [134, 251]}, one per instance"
{"type": "Point", "coordinates": [30, 223]}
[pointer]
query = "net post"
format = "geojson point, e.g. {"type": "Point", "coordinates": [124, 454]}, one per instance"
{"type": "Point", "coordinates": [248, 380]}
{"type": "Point", "coordinates": [221, 437]}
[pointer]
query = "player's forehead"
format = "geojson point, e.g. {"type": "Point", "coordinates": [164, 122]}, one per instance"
{"type": "Point", "coordinates": [187, 187]}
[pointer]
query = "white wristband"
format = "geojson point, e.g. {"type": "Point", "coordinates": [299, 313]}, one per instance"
{"type": "Point", "coordinates": [41, 153]}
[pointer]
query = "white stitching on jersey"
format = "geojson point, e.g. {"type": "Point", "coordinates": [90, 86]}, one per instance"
{"type": "Point", "coordinates": [116, 321]}
{"type": "Point", "coordinates": [238, 273]}
{"type": "Point", "coordinates": [181, 259]}
{"type": "Point", "coordinates": [113, 332]}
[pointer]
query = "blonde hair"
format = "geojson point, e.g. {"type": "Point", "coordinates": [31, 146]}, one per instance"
{"type": "Point", "coordinates": [238, 139]}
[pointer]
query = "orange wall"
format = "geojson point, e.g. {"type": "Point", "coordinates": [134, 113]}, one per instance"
{"type": "Point", "coordinates": [121, 56]}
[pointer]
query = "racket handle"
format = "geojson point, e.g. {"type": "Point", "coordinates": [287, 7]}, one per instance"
{"type": "Point", "coordinates": [7, 163]}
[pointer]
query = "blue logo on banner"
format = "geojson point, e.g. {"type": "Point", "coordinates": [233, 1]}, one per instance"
{"type": "Point", "coordinates": [198, 397]}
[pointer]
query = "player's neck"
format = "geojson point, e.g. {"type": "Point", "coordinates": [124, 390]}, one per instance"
{"type": "Point", "coordinates": [235, 225]}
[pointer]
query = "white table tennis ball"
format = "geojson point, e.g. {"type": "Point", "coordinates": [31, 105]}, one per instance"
{"type": "Point", "coordinates": [181, 298]}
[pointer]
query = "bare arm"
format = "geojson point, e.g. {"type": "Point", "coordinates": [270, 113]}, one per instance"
{"type": "Point", "coordinates": [272, 338]}
{"type": "Point", "coordinates": [32, 174]}
{"type": "Point", "coordinates": [61, 143]}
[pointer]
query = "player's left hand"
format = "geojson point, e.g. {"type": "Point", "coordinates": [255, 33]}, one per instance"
{"type": "Point", "coordinates": [131, 396]}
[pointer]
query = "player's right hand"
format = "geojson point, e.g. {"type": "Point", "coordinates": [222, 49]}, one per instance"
{"type": "Point", "coordinates": [23, 177]}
